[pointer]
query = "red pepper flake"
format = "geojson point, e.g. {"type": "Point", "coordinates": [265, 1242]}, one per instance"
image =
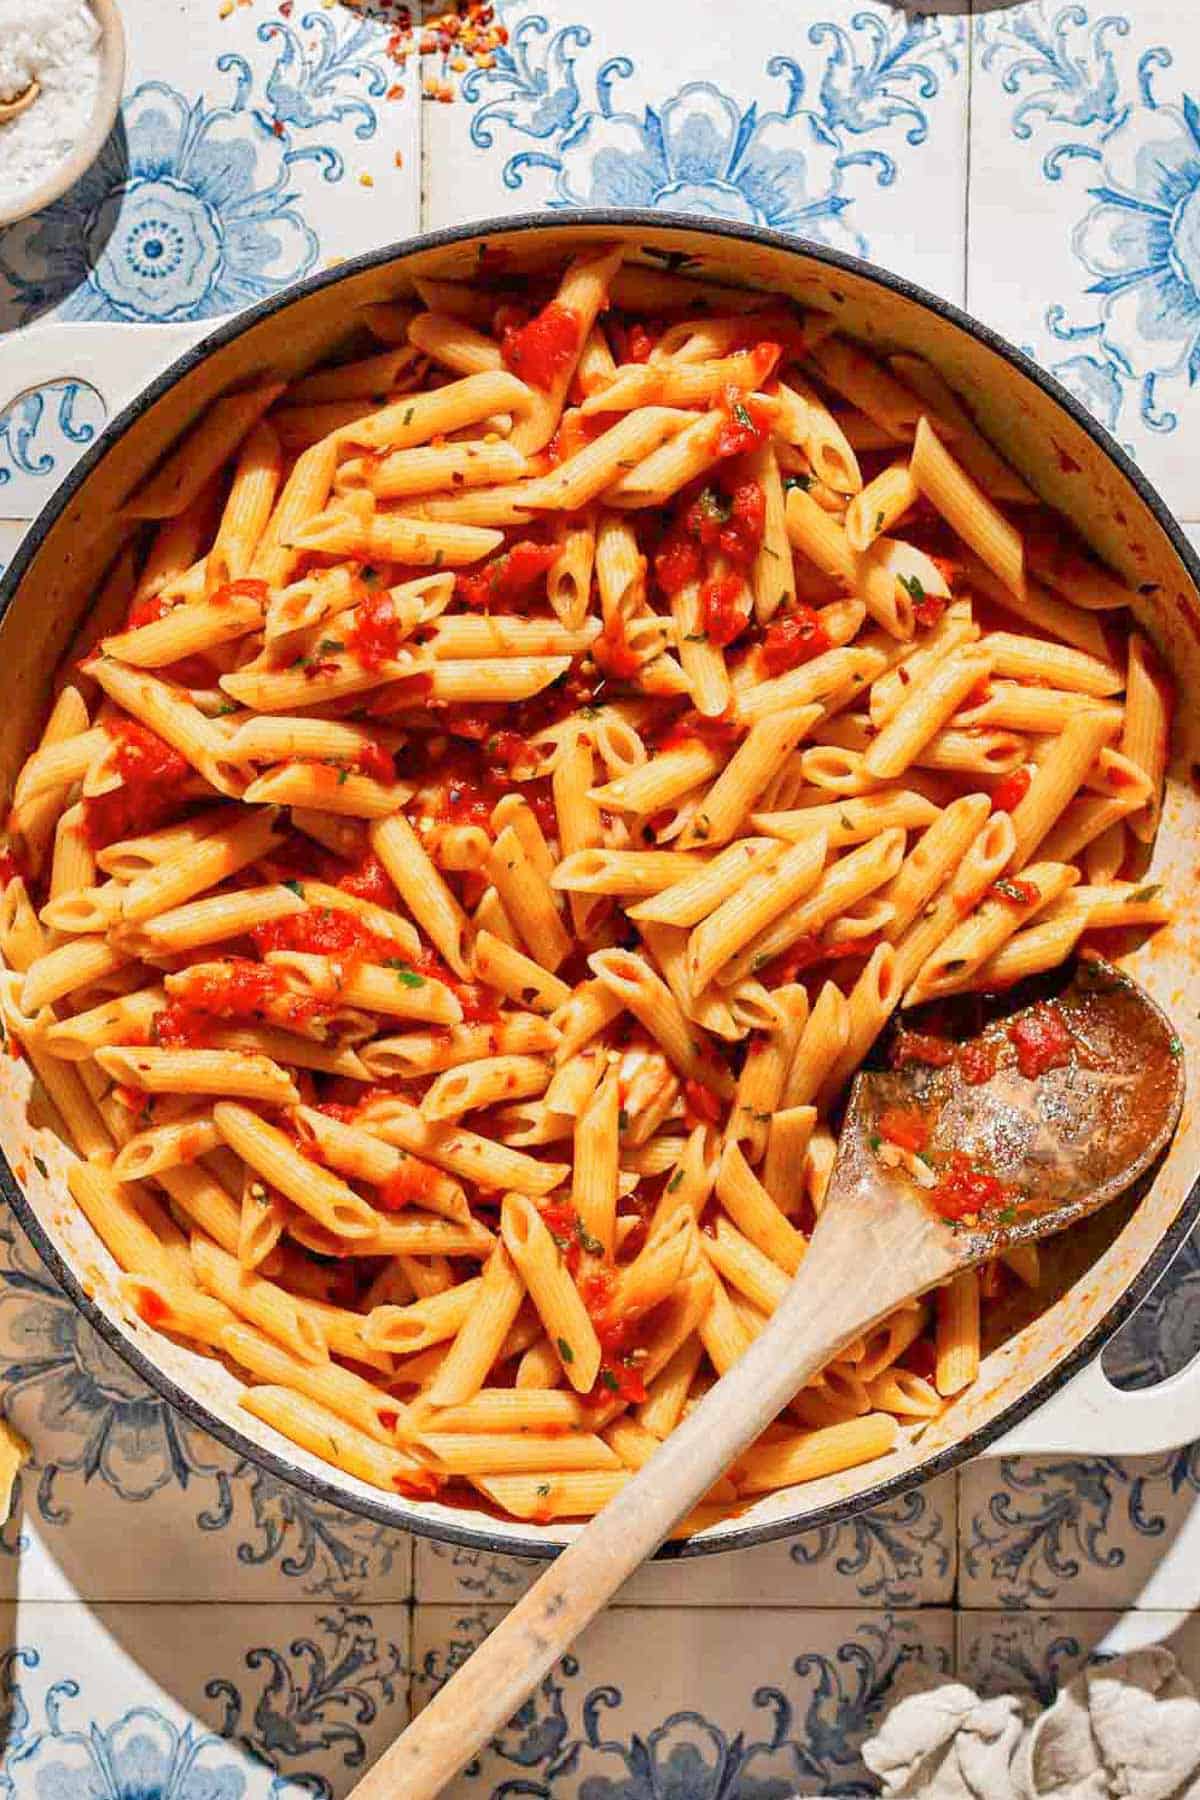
{"type": "Point", "coordinates": [904, 1126]}
{"type": "Point", "coordinates": [1041, 1039]}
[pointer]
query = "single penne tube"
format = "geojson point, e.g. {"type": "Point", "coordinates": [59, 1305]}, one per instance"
{"type": "Point", "coordinates": [198, 1196]}
{"type": "Point", "coordinates": [402, 1330]}
{"type": "Point", "coordinates": [325, 1433]}
{"type": "Point", "coordinates": [454, 343]}
{"type": "Point", "coordinates": [484, 1083]}
{"type": "Point", "coordinates": [958, 1341]}
{"type": "Point", "coordinates": [559, 1306]}
{"type": "Point", "coordinates": [595, 1168]}
{"type": "Point", "coordinates": [702, 661]}
{"type": "Point", "coordinates": [772, 888]}
{"type": "Point", "coordinates": [128, 858]}
{"type": "Point", "coordinates": [395, 537]}
{"type": "Point", "coordinates": [850, 371]}
{"type": "Point", "coordinates": [845, 822]}
{"type": "Point", "coordinates": [581, 1016]}
{"type": "Point", "coordinates": [971, 448]}
{"type": "Point", "coordinates": [1034, 709]}
{"type": "Point", "coordinates": [163, 708]}
{"type": "Point", "coordinates": [516, 1453]}
{"type": "Point", "coordinates": [418, 418]}
{"type": "Point", "coordinates": [264, 1303]}
{"type": "Point", "coordinates": [448, 466]}
{"type": "Point", "coordinates": [393, 988]}
{"type": "Point", "coordinates": [334, 1206]}
{"type": "Point", "coordinates": [819, 537]}
{"type": "Point", "coordinates": [1146, 730]}
{"type": "Point", "coordinates": [1056, 781]}
{"type": "Point", "coordinates": [880, 505]}
{"type": "Point", "coordinates": [495, 635]}
{"type": "Point", "coordinates": [67, 969]}
{"type": "Point", "coordinates": [429, 1052]}
{"type": "Point", "coordinates": [745, 1268]}
{"type": "Point", "coordinates": [1083, 822]}
{"type": "Point", "coordinates": [231, 613]}
{"type": "Point", "coordinates": [954, 629]}
{"type": "Point", "coordinates": [620, 569]}
{"type": "Point", "coordinates": [130, 1223]}
{"type": "Point", "coordinates": [722, 1331]}
{"type": "Point", "coordinates": [820, 1045]}
{"type": "Point", "coordinates": [886, 1342]}
{"type": "Point", "coordinates": [966, 508]}
{"type": "Point", "coordinates": [651, 1001]}
{"type": "Point", "coordinates": [519, 1409]}
{"type": "Point", "coordinates": [319, 785]}
{"type": "Point", "coordinates": [1057, 665]}
{"type": "Point", "coordinates": [870, 1003]}
{"type": "Point", "coordinates": [182, 1311]}
{"type": "Point", "coordinates": [804, 419]}
{"type": "Point", "coordinates": [220, 917]}
{"type": "Point", "coordinates": [769, 1052]}
{"type": "Point", "coordinates": [665, 777]}
{"type": "Point", "coordinates": [422, 888]}
{"type": "Point", "coordinates": [625, 872]}
{"type": "Point", "coordinates": [756, 1214]}
{"type": "Point", "coordinates": [827, 680]}
{"type": "Point", "coordinates": [753, 766]}
{"type": "Point", "coordinates": [369, 378]}
{"type": "Point", "coordinates": [1112, 904]}
{"type": "Point", "coordinates": [481, 1337]}
{"type": "Point", "coordinates": [32, 823]}
{"type": "Point", "coordinates": [808, 1455]}
{"type": "Point", "coordinates": [516, 975]}
{"type": "Point", "coordinates": [583, 293]}
{"type": "Point", "coordinates": [264, 1215]}
{"type": "Point", "coordinates": [666, 1395]}
{"type": "Point", "coordinates": [248, 508]}
{"type": "Point", "coordinates": [226, 1072]}
{"type": "Point", "coordinates": [119, 1021]}
{"type": "Point", "coordinates": [671, 381]}
{"type": "Point", "coordinates": [528, 899]}
{"type": "Point", "coordinates": [1038, 607]}
{"type": "Point", "coordinates": [569, 577]}
{"type": "Point", "coordinates": [22, 938]}
{"type": "Point", "coordinates": [788, 1137]}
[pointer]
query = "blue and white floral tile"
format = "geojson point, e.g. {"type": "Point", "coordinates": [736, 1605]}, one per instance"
{"type": "Point", "coordinates": [1084, 216]}
{"type": "Point", "coordinates": [761, 1703]}
{"type": "Point", "coordinates": [1037, 1653]}
{"type": "Point", "coordinates": [43, 431]}
{"type": "Point", "coordinates": [124, 1495]}
{"type": "Point", "coordinates": [841, 124]}
{"type": "Point", "coordinates": [1078, 1532]}
{"type": "Point", "coordinates": [899, 1554]}
{"type": "Point", "coordinates": [252, 149]}
{"type": "Point", "coordinates": [197, 1703]}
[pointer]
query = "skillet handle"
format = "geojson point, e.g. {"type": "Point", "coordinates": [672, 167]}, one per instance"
{"type": "Point", "coordinates": [1091, 1417]}
{"type": "Point", "coordinates": [114, 361]}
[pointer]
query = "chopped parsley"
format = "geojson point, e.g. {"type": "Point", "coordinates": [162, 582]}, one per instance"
{"type": "Point", "coordinates": [542, 1489]}
{"type": "Point", "coordinates": [565, 1351]}
{"type": "Point", "coordinates": [913, 586]}
{"type": "Point", "coordinates": [1176, 1046]}
{"type": "Point", "coordinates": [622, 1120]}
{"type": "Point", "coordinates": [330, 646]}
{"type": "Point", "coordinates": [803, 482]}
{"type": "Point", "coordinates": [675, 1180]}
{"type": "Point", "coordinates": [405, 973]}
{"type": "Point", "coordinates": [610, 1381]}
{"type": "Point", "coordinates": [1145, 894]}
{"type": "Point", "coordinates": [296, 887]}
{"type": "Point", "coordinates": [41, 1168]}
{"type": "Point", "coordinates": [742, 417]}
{"type": "Point", "coordinates": [874, 1141]}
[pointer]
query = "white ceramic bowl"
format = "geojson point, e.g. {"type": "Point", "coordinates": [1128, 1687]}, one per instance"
{"type": "Point", "coordinates": [108, 101]}
{"type": "Point", "coordinates": [1041, 1382]}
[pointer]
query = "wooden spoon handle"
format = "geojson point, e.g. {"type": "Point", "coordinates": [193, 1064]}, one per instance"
{"type": "Point", "coordinates": [827, 1305]}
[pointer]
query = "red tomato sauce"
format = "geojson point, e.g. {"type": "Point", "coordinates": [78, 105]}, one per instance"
{"type": "Point", "coordinates": [700, 1105]}
{"type": "Point", "coordinates": [793, 638]}
{"type": "Point", "coordinates": [1014, 892]}
{"type": "Point", "coordinates": [1041, 1040]}
{"type": "Point", "coordinates": [374, 638]}
{"type": "Point", "coordinates": [964, 1191]}
{"type": "Point", "coordinates": [694, 727]}
{"type": "Point", "coordinates": [509, 578]}
{"type": "Point", "coordinates": [12, 865]}
{"type": "Point", "coordinates": [324, 931]}
{"type": "Point", "coordinates": [920, 1047]}
{"type": "Point", "coordinates": [1008, 793]}
{"type": "Point", "coordinates": [151, 774]}
{"type": "Point", "coordinates": [613, 653]}
{"type": "Point", "coordinates": [725, 608]}
{"type": "Point", "coordinates": [745, 424]}
{"type": "Point", "coordinates": [410, 1185]}
{"type": "Point", "coordinates": [545, 347]}
{"type": "Point", "coordinates": [905, 1126]}
{"type": "Point", "coordinates": [978, 1060]}
{"type": "Point", "coordinates": [375, 760]}
{"type": "Point", "coordinates": [243, 990]}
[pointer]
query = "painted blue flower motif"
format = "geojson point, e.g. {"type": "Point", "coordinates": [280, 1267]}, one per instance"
{"type": "Point", "coordinates": [1141, 241]}
{"type": "Point", "coordinates": [142, 1756]}
{"type": "Point", "coordinates": [1163, 1335]}
{"type": "Point", "coordinates": [186, 214]}
{"type": "Point", "coordinates": [702, 153]}
{"type": "Point", "coordinates": [701, 150]}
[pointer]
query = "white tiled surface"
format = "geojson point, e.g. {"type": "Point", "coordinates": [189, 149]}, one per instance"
{"type": "Point", "coordinates": [212, 1625]}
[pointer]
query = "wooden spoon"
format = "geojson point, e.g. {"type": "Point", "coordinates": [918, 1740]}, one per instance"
{"type": "Point", "coordinates": [1061, 1144]}
{"type": "Point", "coordinates": [11, 109]}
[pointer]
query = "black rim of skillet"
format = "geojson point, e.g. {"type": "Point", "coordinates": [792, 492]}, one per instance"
{"type": "Point", "coordinates": [381, 1511]}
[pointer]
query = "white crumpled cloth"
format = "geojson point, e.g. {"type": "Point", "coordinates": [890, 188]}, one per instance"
{"type": "Point", "coordinates": [1126, 1729]}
